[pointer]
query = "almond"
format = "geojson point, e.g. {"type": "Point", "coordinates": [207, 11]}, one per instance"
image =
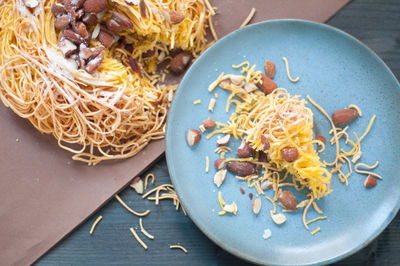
{"type": "Point", "coordinates": [95, 6]}
{"type": "Point", "coordinates": [344, 116]}
{"type": "Point", "coordinates": [250, 87]}
{"type": "Point", "coordinates": [81, 30]}
{"type": "Point", "coordinates": [269, 69]}
{"type": "Point", "coordinates": [256, 205]}
{"type": "Point", "coordinates": [122, 20]}
{"type": "Point", "coordinates": [149, 53]}
{"type": "Point", "coordinates": [57, 9]}
{"type": "Point", "coordinates": [240, 168]}
{"type": "Point", "coordinates": [73, 4]}
{"type": "Point", "coordinates": [266, 84]}
{"type": "Point", "coordinates": [79, 61]}
{"type": "Point", "coordinates": [288, 199]}
{"type": "Point", "coordinates": [114, 26]}
{"type": "Point", "coordinates": [106, 39]}
{"type": "Point", "coordinates": [320, 138]}
{"type": "Point", "coordinates": [134, 66]}
{"type": "Point", "coordinates": [370, 181]}
{"type": "Point", "coordinates": [265, 143]}
{"type": "Point", "coordinates": [73, 37]}
{"type": "Point", "coordinates": [263, 157]}
{"type": "Point", "coordinates": [132, 2]}
{"type": "Point", "coordinates": [180, 62]}
{"type": "Point", "coordinates": [193, 136]}
{"type": "Point", "coordinates": [172, 16]}
{"type": "Point", "coordinates": [219, 177]}
{"type": "Point", "coordinates": [219, 164]}
{"type": "Point", "coordinates": [208, 123]}
{"type": "Point", "coordinates": [137, 185]}
{"type": "Point", "coordinates": [224, 140]}
{"type": "Point", "coordinates": [89, 19]}
{"type": "Point", "coordinates": [244, 150]}
{"type": "Point", "coordinates": [242, 191]}
{"type": "Point", "coordinates": [142, 6]}
{"type": "Point", "coordinates": [62, 22]}
{"type": "Point", "coordinates": [67, 47]}
{"type": "Point", "coordinates": [279, 218]}
{"type": "Point", "coordinates": [93, 64]}
{"type": "Point", "coordinates": [290, 154]}
{"type": "Point", "coordinates": [31, 3]}
{"type": "Point", "coordinates": [96, 31]}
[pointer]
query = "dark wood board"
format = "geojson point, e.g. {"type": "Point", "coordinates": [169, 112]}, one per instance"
{"type": "Point", "coordinates": [377, 24]}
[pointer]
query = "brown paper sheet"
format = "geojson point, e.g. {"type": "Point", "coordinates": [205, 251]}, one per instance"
{"type": "Point", "coordinates": [44, 195]}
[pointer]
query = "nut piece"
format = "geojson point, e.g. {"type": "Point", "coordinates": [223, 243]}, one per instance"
{"type": "Point", "coordinates": [122, 20]}
{"type": "Point", "coordinates": [89, 19]}
{"type": "Point", "coordinates": [266, 185]}
{"type": "Point", "coordinates": [67, 47]}
{"type": "Point", "coordinates": [95, 6]}
{"type": "Point", "coordinates": [180, 62]}
{"type": "Point", "coordinates": [250, 87]}
{"type": "Point", "coordinates": [263, 157]}
{"type": "Point", "coordinates": [134, 65]}
{"type": "Point", "coordinates": [113, 26]}
{"type": "Point", "coordinates": [224, 140]}
{"type": "Point", "coordinates": [240, 168]}
{"type": "Point", "coordinates": [238, 80]}
{"type": "Point", "coordinates": [290, 154]}
{"type": "Point", "coordinates": [266, 84]}
{"type": "Point", "coordinates": [288, 199]}
{"type": "Point", "coordinates": [219, 177]}
{"type": "Point", "coordinates": [320, 138]}
{"type": "Point", "coordinates": [265, 143]}
{"type": "Point", "coordinates": [172, 16]}
{"type": "Point", "coordinates": [73, 4]}
{"type": "Point", "coordinates": [244, 150]}
{"type": "Point", "coordinates": [62, 22]}
{"type": "Point", "coordinates": [93, 64]}
{"type": "Point", "coordinates": [31, 3]}
{"type": "Point", "coordinates": [344, 116]}
{"type": "Point", "coordinates": [256, 205]}
{"type": "Point", "coordinates": [137, 185]}
{"type": "Point", "coordinates": [225, 83]}
{"type": "Point", "coordinates": [219, 164]}
{"type": "Point", "coordinates": [57, 9]}
{"type": "Point", "coordinates": [269, 69]}
{"type": "Point", "coordinates": [370, 181]}
{"type": "Point", "coordinates": [81, 30]}
{"type": "Point", "coordinates": [73, 37]}
{"type": "Point", "coordinates": [193, 136]}
{"type": "Point", "coordinates": [279, 218]}
{"type": "Point", "coordinates": [106, 39]}
{"type": "Point", "coordinates": [208, 123]}
{"type": "Point", "coordinates": [149, 53]}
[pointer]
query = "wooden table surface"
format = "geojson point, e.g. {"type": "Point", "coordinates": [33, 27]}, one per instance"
{"type": "Point", "coordinates": [377, 24]}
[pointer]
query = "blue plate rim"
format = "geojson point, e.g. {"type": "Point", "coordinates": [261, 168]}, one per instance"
{"type": "Point", "coordinates": [171, 172]}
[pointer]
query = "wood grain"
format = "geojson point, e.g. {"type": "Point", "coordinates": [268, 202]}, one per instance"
{"type": "Point", "coordinates": [377, 24]}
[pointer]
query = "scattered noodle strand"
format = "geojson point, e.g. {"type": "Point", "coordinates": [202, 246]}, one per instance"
{"type": "Point", "coordinates": [178, 247]}
{"type": "Point", "coordinates": [129, 209]}
{"type": "Point", "coordinates": [144, 230]}
{"type": "Point", "coordinates": [95, 223]}
{"type": "Point", "coordinates": [249, 17]}
{"type": "Point", "coordinates": [288, 71]}
{"type": "Point", "coordinates": [138, 238]}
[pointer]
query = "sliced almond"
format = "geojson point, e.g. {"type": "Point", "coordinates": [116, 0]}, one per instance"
{"type": "Point", "coordinates": [193, 136]}
{"type": "Point", "coordinates": [231, 208]}
{"type": "Point", "coordinates": [106, 39]}
{"type": "Point", "coordinates": [266, 185]}
{"type": "Point", "coordinates": [256, 205]}
{"type": "Point", "coordinates": [82, 31]}
{"type": "Point", "coordinates": [238, 80]}
{"type": "Point", "coordinates": [114, 26]}
{"type": "Point", "coordinates": [370, 181]}
{"type": "Point", "coordinates": [219, 177]}
{"type": "Point", "coordinates": [122, 20]}
{"type": "Point", "coordinates": [31, 3]}
{"type": "Point", "coordinates": [224, 140]}
{"type": "Point", "coordinates": [208, 123]}
{"type": "Point", "coordinates": [279, 218]}
{"type": "Point", "coordinates": [288, 200]}
{"type": "Point", "coordinates": [134, 66]}
{"type": "Point", "coordinates": [96, 31]}
{"type": "Point", "coordinates": [269, 69]}
{"type": "Point", "coordinates": [73, 37]}
{"type": "Point", "coordinates": [137, 185]}
{"type": "Point", "coordinates": [250, 87]}
{"type": "Point", "coordinates": [89, 19]}
{"type": "Point", "coordinates": [344, 116]}
{"type": "Point", "coordinates": [219, 164]}
{"type": "Point", "coordinates": [93, 64]}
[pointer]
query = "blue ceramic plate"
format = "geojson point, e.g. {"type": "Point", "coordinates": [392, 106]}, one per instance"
{"type": "Point", "coordinates": [336, 70]}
